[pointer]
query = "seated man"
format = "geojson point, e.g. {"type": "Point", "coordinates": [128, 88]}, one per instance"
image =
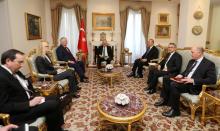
{"type": "Point", "coordinates": [104, 54]}
{"type": "Point", "coordinates": [199, 71]}
{"type": "Point", "coordinates": [170, 65]}
{"type": "Point", "coordinates": [45, 66]}
{"type": "Point", "coordinates": [17, 98]}
{"type": "Point", "coordinates": [151, 53]}
{"type": "Point", "coordinates": [64, 54]}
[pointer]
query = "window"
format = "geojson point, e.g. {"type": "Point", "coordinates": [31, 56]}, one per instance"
{"type": "Point", "coordinates": [69, 29]}
{"type": "Point", "coordinates": [134, 39]}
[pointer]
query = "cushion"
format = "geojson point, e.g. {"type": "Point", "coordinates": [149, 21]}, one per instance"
{"type": "Point", "coordinates": [192, 98]}
{"type": "Point", "coordinates": [38, 122]}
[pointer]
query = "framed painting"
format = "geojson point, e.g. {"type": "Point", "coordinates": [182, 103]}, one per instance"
{"type": "Point", "coordinates": [33, 26]}
{"type": "Point", "coordinates": [162, 31]}
{"type": "Point", "coordinates": [163, 18]}
{"type": "Point", "coordinates": [103, 21]}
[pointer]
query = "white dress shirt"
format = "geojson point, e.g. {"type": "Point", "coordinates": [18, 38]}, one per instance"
{"type": "Point", "coordinates": [194, 69]}
{"type": "Point", "coordinates": [165, 66]}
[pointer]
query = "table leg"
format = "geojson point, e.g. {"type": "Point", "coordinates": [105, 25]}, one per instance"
{"type": "Point", "coordinates": [129, 126]}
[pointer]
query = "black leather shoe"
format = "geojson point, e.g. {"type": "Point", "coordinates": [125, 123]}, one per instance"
{"type": "Point", "coordinates": [146, 89]}
{"type": "Point", "coordinates": [84, 80]}
{"type": "Point", "coordinates": [85, 77]}
{"type": "Point", "coordinates": [139, 76]}
{"type": "Point", "coordinates": [151, 91]}
{"type": "Point", "coordinates": [171, 113]}
{"type": "Point", "coordinates": [75, 95]}
{"type": "Point", "coordinates": [160, 103]}
{"type": "Point", "coordinates": [78, 88]}
{"type": "Point", "coordinates": [131, 74]}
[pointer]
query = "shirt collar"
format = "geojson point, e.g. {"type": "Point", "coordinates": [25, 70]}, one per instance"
{"type": "Point", "coordinates": [6, 68]}
{"type": "Point", "coordinates": [200, 59]}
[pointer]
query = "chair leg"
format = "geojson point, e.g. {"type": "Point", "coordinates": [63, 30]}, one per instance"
{"type": "Point", "coordinates": [193, 110]}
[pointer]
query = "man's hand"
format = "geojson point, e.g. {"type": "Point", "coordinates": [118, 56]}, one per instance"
{"type": "Point", "coordinates": [8, 127]}
{"type": "Point", "coordinates": [179, 76]}
{"type": "Point", "coordinates": [72, 62]}
{"type": "Point", "coordinates": [101, 56]}
{"type": "Point", "coordinates": [36, 101]}
{"type": "Point", "coordinates": [187, 80]}
{"type": "Point", "coordinates": [144, 60]}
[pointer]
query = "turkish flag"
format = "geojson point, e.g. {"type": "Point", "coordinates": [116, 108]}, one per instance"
{"type": "Point", "coordinates": [82, 43]}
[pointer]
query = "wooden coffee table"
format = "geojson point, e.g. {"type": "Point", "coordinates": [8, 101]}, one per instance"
{"type": "Point", "coordinates": [127, 114]}
{"type": "Point", "coordinates": [109, 74]}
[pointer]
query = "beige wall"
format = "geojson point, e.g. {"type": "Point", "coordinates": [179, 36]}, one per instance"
{"type": "Point", "coordinates": [16, 14]}
{"type": "Point", "coordinates": [5, 32]}
{"type": "Point", "coordinates": [187, 21]}
{"type": "Point", "coordinates": [214, 28]}
{"type": "Point", "coordinates": [164, 7]}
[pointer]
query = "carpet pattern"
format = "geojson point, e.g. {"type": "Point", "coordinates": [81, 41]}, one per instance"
{"type": "Point", "coordinates": [83, 114]}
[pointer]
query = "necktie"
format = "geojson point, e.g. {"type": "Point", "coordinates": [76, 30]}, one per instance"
{"type": "Point", "coordinates": [104, 52]}
{"type": "Point", "coordinates": [190, 69]}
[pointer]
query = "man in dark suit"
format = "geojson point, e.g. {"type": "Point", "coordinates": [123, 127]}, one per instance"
{"type": "Point", "coordinates": [45, 66]}
{"type": "Point", "coordinates": [170, 65]}
{"type": "Point", "coordinates": [64, 54]}
{"type": "Point", "coordinates": [199, 71]}
{"type": "Point", "coordinates": [104, 54]}
{"type": "Point", "coordinates": [17, 98]}
{"type": "Point", "coordinates": [151, 53]}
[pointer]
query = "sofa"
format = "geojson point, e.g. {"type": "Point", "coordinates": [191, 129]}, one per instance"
{"type": "Point", "coordinates": [193, 101]}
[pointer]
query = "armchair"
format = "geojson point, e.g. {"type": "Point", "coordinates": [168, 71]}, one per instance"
{"type": "Point", "coordinates": [55, 59]}
{"type": "Point", "coordinates": [40, 122]}
{"type": "Point", "coordinates": [35, 75]}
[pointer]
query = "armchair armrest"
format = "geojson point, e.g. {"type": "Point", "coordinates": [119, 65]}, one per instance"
{"type": "Point", "coordinates": [211, 86]}
{"type": "Point", "coordinates": [5, 118]}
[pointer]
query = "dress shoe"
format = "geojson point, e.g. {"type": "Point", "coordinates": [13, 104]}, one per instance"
{"type": "Point", "coordinates": [151, 91]}
{"type": "Point", "coordinates": [75, 95]}
{"type": "Point", "coordinates": [78, 88]}
{"type": "Point", "coordinates": [160, 103]}
{"type": "Point", "coordinates": [139, 76]}
{"type": "Point", "coordinates": [146, 89]}
{"type": "Point", "coordinates": [171, 113]}
{"type": "Point", "coordinates": [131, 74]}
{"type": "Point", "coordinates": [84, 80]}
{"type": "Point", "coordinates": [85, 77]}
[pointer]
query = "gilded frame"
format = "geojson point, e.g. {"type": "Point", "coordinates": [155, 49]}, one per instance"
{"type": "Point", "coordinates": [33, 26]}
{"type": "Point", "coordinates": [163, 31]}
{"type": "Point", "coordinates": [163, 18]}
{"type": "Point", "coordinates": [103, 21]}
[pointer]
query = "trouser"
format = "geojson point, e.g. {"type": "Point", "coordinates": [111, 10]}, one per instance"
{"type": "Point", "coordinates": [50, 109]}
{"type": "Point", "coordinates": [79, 68]}
{"type": "Point", "coordinates": [138, 65]}
{"type": "Point", "coordinates": [100, 61]}
{"type": "Point", "coordinates": [68, 74]}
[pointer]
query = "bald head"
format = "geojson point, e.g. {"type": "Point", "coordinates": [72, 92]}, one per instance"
{"type": "Point", "coordinates": [197, 52]}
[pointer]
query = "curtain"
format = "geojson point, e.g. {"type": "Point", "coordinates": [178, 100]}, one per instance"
{"type": "Point", "coordinates": [55, 19]}
{"type": "Point", "coordinates": [145, 17]}
{"type": "Point", "coordinates": [56, 8]}
{"type": "Point", "coordinates": [134, 39]}
{"type": "Point", "coordinates": [123, 24]}
{"type": "Point", "coordinates": [69, 28]}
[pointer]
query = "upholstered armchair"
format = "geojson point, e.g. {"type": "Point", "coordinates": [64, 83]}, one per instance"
{"type": "Point", "coordinates": [194, 101]}
{"type": "Point", "coordinates": [55, 59]}
{"type": "Point", "coordinates": [40, 122]}
{"type": "Point", "coordinates": [35, 75]}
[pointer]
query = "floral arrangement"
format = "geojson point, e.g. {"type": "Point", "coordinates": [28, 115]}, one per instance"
{"type": "Point", "coordinates": [122, 99]}
{"type": "Point", "coordinates": [109, 67]}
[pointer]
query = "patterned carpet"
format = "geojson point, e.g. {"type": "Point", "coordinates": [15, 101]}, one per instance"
{"type": "Point", "coordinates": [83, 115]}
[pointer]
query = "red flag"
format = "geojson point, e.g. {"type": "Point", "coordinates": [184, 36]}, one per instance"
{"type": "Point", "coordinates": [82, 43]}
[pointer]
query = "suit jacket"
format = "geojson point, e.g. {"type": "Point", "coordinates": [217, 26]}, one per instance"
{"type": "Point", "coordinates": [204, 74]}
{"type": "Point", "coordinates": [64, 54]}
{"type": "Point", "coordinates": [44, 66]}
{"type": "Point", "coordinates": [13, 98]}
{"type": "Point", "coordinates": [109, 50]}
{"type": "Point", "coordinates": [152, 54]}
{"type": "Point", "coordinates": [174, 64]}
